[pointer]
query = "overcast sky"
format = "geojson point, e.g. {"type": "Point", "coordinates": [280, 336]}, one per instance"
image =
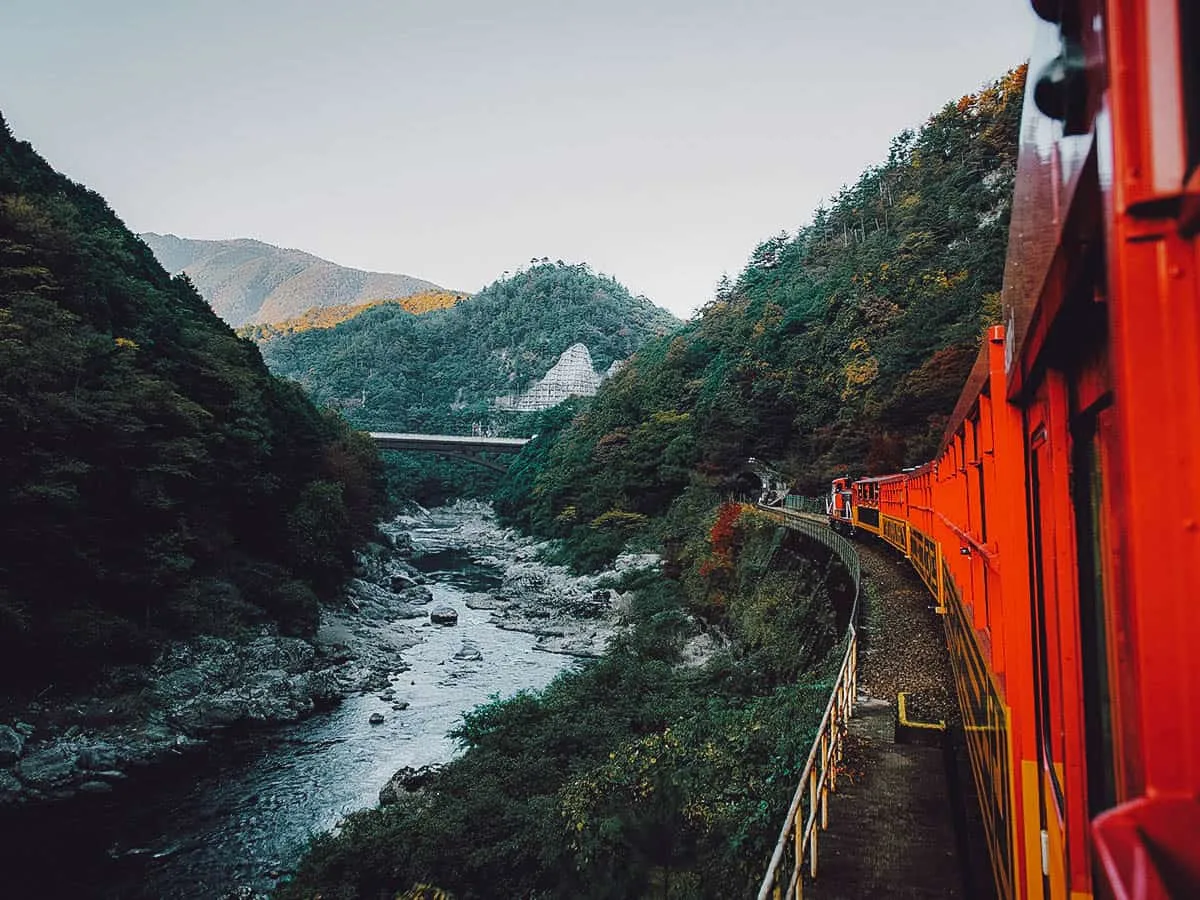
{"type": "Point", "coordinates": [657, 140]}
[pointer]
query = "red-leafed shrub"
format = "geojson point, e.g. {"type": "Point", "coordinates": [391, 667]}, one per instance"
{"type": "Point", "coordinates": [721, 538]}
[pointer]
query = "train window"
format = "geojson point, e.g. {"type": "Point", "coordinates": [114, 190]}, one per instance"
{"type": "Point", "coordinates": [1045, 619]}
{"type": "Point", "coordinates": [1093, 549]}
{"type": "Point", "coordinates": [1189, 33]}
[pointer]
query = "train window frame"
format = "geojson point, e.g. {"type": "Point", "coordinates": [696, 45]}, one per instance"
{"type": "Point", "coordinates": [1189, 76]}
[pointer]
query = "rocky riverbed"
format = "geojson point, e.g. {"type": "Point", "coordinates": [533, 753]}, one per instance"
{"type": "Point", "coordinates": [396, 683]}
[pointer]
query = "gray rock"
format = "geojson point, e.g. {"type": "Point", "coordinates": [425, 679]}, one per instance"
{"type": "Point", "coordinates": [323, 686]}
{"type": "Point", "coordinates": [97, 757]}
{"type": "Point", "coordinates": [292, 655]}
{"type": "Point", "coordinates": [95, 787]}
{"type": "Point", "coordinates": [469, 652]}
{"type": "Point", "coordinates": [12, 745]}
{"type": "Point", "coordinates": [180, 685]}
{"type": "Point", "coordinates": [406, 783]}
{"type": "Point", "coordinates": [443, 615]}
{"type": "Point", "coordinates": [403, 581]}
{"type": "Point", "coordinates": [208, 714]}
{"type": "Point", "coordinates": [10, 788]}
{"type": "Point", "coordinates": [485, 602]}
{"type": "Point", "coordinates": [376, 719]}
{"type": "Point", "coordinates": [418, 595]}
{"type": "Point", "coordinates": [47, 770]}
{"type": "Point", "coordinates": [401, 540]}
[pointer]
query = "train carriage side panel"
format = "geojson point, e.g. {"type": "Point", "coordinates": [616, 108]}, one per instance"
{"type": "Point", "coordinates": [1154, 313]}
{"type": "Point", "coordinates": [893, 512]}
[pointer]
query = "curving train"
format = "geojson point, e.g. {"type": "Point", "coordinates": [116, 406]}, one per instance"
{"type": "Point", "coordinates": [1059, 526]}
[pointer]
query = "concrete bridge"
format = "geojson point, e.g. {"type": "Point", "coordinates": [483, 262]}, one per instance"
{"type": "Point", "coordinates": [455, 446]}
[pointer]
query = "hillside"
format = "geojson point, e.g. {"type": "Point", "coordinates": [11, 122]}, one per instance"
{"type": "Point", "coordinates": [328, 316]}
{"type": "Point", "coordinates": [450, 369]}
{"type": "Point", "coordinates": [247, 281]}
{"type": "Point", "coordinates": [155, 479]}
{"type": "Point", "coordinates": [841, 348]}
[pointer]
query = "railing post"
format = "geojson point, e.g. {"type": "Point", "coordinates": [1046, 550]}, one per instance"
{"type": "Point", "coordinates": [812, 854]}
{"type": "Point", "coordinates": [798, 864]}
{"type": "Point", "coordinates": [834, 726]}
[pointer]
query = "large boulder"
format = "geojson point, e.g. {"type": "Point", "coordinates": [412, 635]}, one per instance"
{"type": "Point", "coordinates": [210, 713]}
{"type": "Point", "coordinates": [12, 745]}
{"type": "Point", "coordinates": [418, 595]}
{"type": "Point", "coordinates": [323, 686]}
{"type": "Point", "coordinates": [443, 615]}
{"type": "Point", "coordinates": [99, 756]}
{"type": "Point", "coordinates": [406, 783]}
{"type": "Point", "coordinates": [469, 652]}
{"type": "Point", "coordinates": [47, 770]}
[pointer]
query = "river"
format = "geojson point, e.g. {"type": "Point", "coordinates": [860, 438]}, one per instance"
{"type": "Point", "coordinates": [244, 818]}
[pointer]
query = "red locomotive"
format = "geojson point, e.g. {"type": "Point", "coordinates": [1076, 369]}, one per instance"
{"type": "Point", "coordinates": [1059, 528]}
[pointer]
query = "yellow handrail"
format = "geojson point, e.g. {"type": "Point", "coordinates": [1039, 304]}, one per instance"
{"type": "Point", "coordinates": [819, 776]}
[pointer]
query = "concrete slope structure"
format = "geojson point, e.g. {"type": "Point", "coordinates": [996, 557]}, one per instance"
{"type": "Point", "coordinates": [251, 282]}
{"type": "Point", "coordinates": [572, 376]}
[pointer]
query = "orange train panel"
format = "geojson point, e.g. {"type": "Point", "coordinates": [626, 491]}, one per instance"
{"type": "Point", "coordinates": [1154, 314]}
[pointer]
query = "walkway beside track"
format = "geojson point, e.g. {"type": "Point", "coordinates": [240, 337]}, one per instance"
{"type": "Point", "coordinates": [896, 822]}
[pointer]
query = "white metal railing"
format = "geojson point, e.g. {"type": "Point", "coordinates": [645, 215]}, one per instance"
{"type": "Point", "coordinates": [808, 813]}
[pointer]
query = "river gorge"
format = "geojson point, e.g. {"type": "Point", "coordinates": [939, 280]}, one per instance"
{"type": "Point", "coordinates": [230, 818]}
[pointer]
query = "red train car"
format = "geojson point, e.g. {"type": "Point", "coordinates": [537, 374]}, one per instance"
{"type": "Point", "coordinates": [1059, 527]}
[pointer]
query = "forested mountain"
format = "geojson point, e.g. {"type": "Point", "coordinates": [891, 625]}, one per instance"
{"type": "Point", "coordinates": [841, 348]}
{"type": "Point", "coordinates": [155, 479]}
{"type": "Point", "coordinates": [441, 371]}
{"type": "Point", "coordinates": [248, 281]}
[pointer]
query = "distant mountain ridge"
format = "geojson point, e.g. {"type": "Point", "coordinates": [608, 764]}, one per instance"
{"type": "Point", "coordinates": [251, 282]}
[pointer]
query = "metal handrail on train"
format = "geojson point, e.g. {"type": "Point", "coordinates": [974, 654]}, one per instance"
{"type": "Point", "coordinates": [819, 777]}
